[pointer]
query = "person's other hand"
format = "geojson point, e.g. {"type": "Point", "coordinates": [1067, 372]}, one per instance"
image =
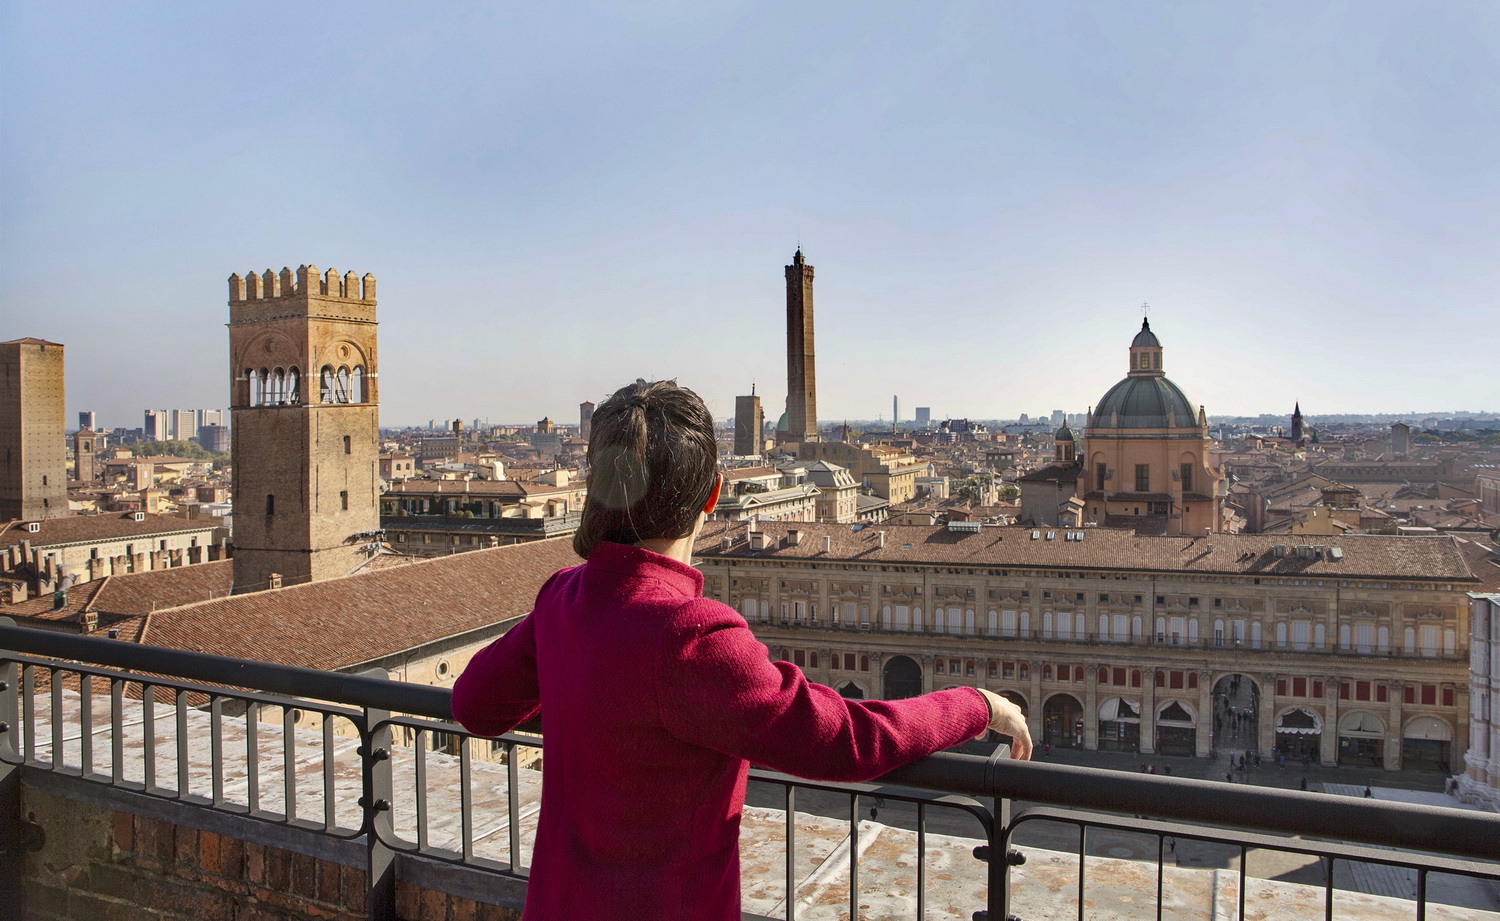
{"type": "Point", "coordinates": [1007, 719]}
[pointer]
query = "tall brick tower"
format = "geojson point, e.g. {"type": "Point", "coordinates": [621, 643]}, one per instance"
{"type": "Point", "coordinates": [801, 378]}
{"type": "Point", "coordinates": [33, 440]}
{"type": "Point", "coordinates": [86, 455]}
{"type": "Point", "coordinates": [749, 425]}
{"type": "Point", "coordinates": [305, 434]}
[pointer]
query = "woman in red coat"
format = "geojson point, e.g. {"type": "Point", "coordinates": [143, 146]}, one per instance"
{"type": "Point", "coordinates": [656, 699]}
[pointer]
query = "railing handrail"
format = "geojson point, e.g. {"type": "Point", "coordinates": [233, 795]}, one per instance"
{"type": "Point", "coordinates": [1468, 834]}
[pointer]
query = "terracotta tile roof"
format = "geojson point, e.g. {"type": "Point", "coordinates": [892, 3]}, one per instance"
{"type": "Point", "coordinates": [107, 526]}
{"type": "Point", "coordinates": [1364, 555]}
{"type": "Point", "coordinates": [30, 340]}
{"type": "Point", "coordinates": [340, 623]}
{"type": "Point", "coordinates": [116, 597]}
{"type": "Point", "coordinates": [1053, 473]}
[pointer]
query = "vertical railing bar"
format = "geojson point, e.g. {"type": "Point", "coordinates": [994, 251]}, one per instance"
{"type": "Point", "coordinates": [1421, 894]}
{"type": "Point", "coordinates": [1244, 879]}
{"type": "Point", "coordinates": [289, 760]}
{"type": "Point", "coordinates": [466, 797]}
{"type": "Point", "coordinates": [85, 725]}
{"type": "Point", "coordinates": [28, 712]}
{"type": "Point", "coordinates": [184, 780]}
{"type": "Point", "coordinates": [1328, 888]}
{"type": "Point", "coordinates": [854, 857]}
{"type": "Point", "coordinates": [148, 734]}
{"type": "Point", "coordinates": [330, 814]}
{"type": "Point", "coordinates": [1161, 871]}
{"type": "Point", "coordinates": [420, 756]}
{"type": "Point", "coordinates": [791, 852]}
{"type": "Point", "coordinates": [116, 730]}
{"type": "Point", "coordinates": [922, 860]}
{"type": "Point", "coordinates": [57, 718]}
{"type": "Point", "coordinates": [512, 807]}
{"type": "Point", "coordinates": [252, 756]}
{"type": "Point", "coordinates": [216, 747]}
{"type": "Point", "coordinates": [1083, 853]}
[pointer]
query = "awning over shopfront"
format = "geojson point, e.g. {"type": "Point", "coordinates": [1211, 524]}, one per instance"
{"type": "Point", "coordinates": [1176, 713]}
{"type": "Point", "coordinates": [1430, 728]}
{"type": "Point", "coordinates": [1361, 725]}
{"type": "Point", "coordinates": [1119, 710]}
{"type": "Point", "coordinates": [1298, 721]}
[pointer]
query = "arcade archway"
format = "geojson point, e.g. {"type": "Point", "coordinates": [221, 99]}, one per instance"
{"type": "Point", "coordinates": [1299, 734]}
{"type": "Point", "coordinates": [1120, 725]}
{"type": "Point", "coordinates": [1176, 729]}
{"type": "Point", "coordinates": [1236, 705]}
{"type": "Point", "coordinates": [1426, 745]}
{"type": "Point", "coordinates": [1062, 721]}
{"type": "Point", "coordinates": [1361, 739]}
{"type": "Point", "coordinates": [902, 678]}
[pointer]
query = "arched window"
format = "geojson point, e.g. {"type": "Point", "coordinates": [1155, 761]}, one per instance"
{"type": "Point", "coordinates": [357, 385]}
{"type": "Point", "coordinates": [278, 387]}
{"type": "Point", "coordinates": [265, 387]}
{"type": "Point", "coordinates": [252, 382]}
{"type": "Point", "coordinates": [341, 386]}
{"type": "Point", "coordinates": [325, 384]}
{"type": "Point", "coordinates": [293, 386]}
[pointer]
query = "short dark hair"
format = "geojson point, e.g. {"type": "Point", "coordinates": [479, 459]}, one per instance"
{"type": "Point", "coordinates": [653, 462]}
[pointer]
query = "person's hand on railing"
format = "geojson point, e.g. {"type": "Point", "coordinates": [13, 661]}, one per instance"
{"type": "Point", "coordinates": [1007, 719]}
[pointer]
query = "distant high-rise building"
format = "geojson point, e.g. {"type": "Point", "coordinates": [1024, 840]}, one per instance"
{"type": "Point", "coordinates": [156, 425]}
{"type": "Point", "coordinates": [210, 417]}
{"type": "Point", "coordinates": [585, 419]}
{"type": "Point", "coordinates": [88, 419]}
{"type": "Point", "coordinates": [801, 376]}
{"type": "Point", "coordinates": [306, 448]}
{"type": "Point", "coordinates": [1059, 418]}
{"type": "Point", "coordinates": [924, 416]}
{"type": "Point", "coordinates": [184, 424]}
{"type": "Point", "coordinates": [749, 425]}
{"type": "Point", "coordinates": [33, 423]}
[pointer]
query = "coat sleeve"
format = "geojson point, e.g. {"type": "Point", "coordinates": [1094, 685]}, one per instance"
{"type": "Point", "coordinates": [717, 689]}
{"type": "Point", "coordinates": [498, 690]}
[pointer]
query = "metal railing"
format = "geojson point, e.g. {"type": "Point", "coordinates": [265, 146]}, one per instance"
{"type": "Point", "coordinates": [222, 734]}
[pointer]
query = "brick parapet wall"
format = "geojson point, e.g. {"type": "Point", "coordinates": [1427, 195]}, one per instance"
{"type": "Point", "coordinates": [114, 855]}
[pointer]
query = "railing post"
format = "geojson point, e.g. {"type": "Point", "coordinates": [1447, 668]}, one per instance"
{"type": "Point", "coordinates": [12, 841]}
{"type": "Point", "coordinates": [375, 773]}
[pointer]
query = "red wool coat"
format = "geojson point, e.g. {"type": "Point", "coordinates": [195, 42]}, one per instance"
{"type": "Point", "coordinates": [654, 700]}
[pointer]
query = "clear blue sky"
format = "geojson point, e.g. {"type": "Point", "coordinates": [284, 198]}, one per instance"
{"type": "Point", "coordinates": [557, 199]}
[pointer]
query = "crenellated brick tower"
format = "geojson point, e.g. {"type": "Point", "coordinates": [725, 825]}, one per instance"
{"type": "Point", "coordinates": [303, 402]}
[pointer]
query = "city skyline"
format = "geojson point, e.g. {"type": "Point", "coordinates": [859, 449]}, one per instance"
{"type": "Point", "coordinates": [989, 196]}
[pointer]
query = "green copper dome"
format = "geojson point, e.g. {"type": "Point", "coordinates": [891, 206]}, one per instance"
{"type": "Point", "coordinates": [1145, 402]}
{"type": "Point", "coordinates": [782, 424]}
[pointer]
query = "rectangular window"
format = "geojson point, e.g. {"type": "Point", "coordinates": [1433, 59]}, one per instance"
{"type": "Point", "coordinates": [1118, 677]}
{"type": "Point", "coordinates": [1187, 477]}
{"type": "Point", "coordinates": [1008, 670]}
{"type": "Point", "coordinates": [799, 658]}
{"type": "Point", "coordinates": [1099, 472]}
{"type": "Point", "coordinates": [1429, 695]}
{"type": "Point", "coordinates": [1361, 690]}
{"type": "Point", "coordinates": [344, 500]}
{"type": "Point", "coordinates": [1299, 687]}
{"type": "Point", "coordinates": [1142, 477]}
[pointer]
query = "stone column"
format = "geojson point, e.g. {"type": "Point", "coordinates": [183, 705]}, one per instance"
{"type": "Point", "coordinates": [1034, 712]}
{"type": "Point", "coordinates": [1265, 723]}
{"type": "Point", "coordinates": [825, 665]}
{"type": "Point", "coordinates": [928, 685]}
{"type": "Point", "coordinates": [1328, 746]}
{"type": "Point", "coordinates": [1394, 730]}
{"type": "Point", "coordinates": [1091, 706]}
{"type": "Point", "coordinates": [1148, 711]}
{"type": "Point", "coordinates": [775, 592]}
{"type": "Point", "coordinates": [1203, 737]}
{"type": "Point", "coordinates": [1461, 735]}
{"type": "Point", "coordinates": [877, 677]}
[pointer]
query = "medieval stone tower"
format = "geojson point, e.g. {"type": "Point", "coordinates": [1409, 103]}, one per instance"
{"type": "Point", "coordinates": [33, 446]}
{"type": "Point", "coordinates": [801, 377]}
{"type": "Point", "coordinates": [303, 402]}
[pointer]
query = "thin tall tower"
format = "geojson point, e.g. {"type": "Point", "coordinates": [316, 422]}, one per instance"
{"type": "Point", "coordinates": [801, 377]}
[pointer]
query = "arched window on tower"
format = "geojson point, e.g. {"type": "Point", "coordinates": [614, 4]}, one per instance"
{"type": "Point", "coordinates": [325, 384]}
{"type": "Point", "coordinates": [293, 387]}
{"type": "Point", "coordinates": [341, 386]}
{"type": "Point", "coordinates": [252, 385]}
{"type": "Point", "coordinates": [278, 387]}
{"type": "Point", "coordinates": [265, 387]}
{"type": "Point", "coordinates": [357, 385]}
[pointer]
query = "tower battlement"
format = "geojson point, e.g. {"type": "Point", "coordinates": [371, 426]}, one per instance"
{"type": "Point", "coordinates": [305, 282]}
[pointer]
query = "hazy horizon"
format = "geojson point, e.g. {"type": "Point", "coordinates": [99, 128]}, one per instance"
{"type": "Point", "coordinates": [556, 201]}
